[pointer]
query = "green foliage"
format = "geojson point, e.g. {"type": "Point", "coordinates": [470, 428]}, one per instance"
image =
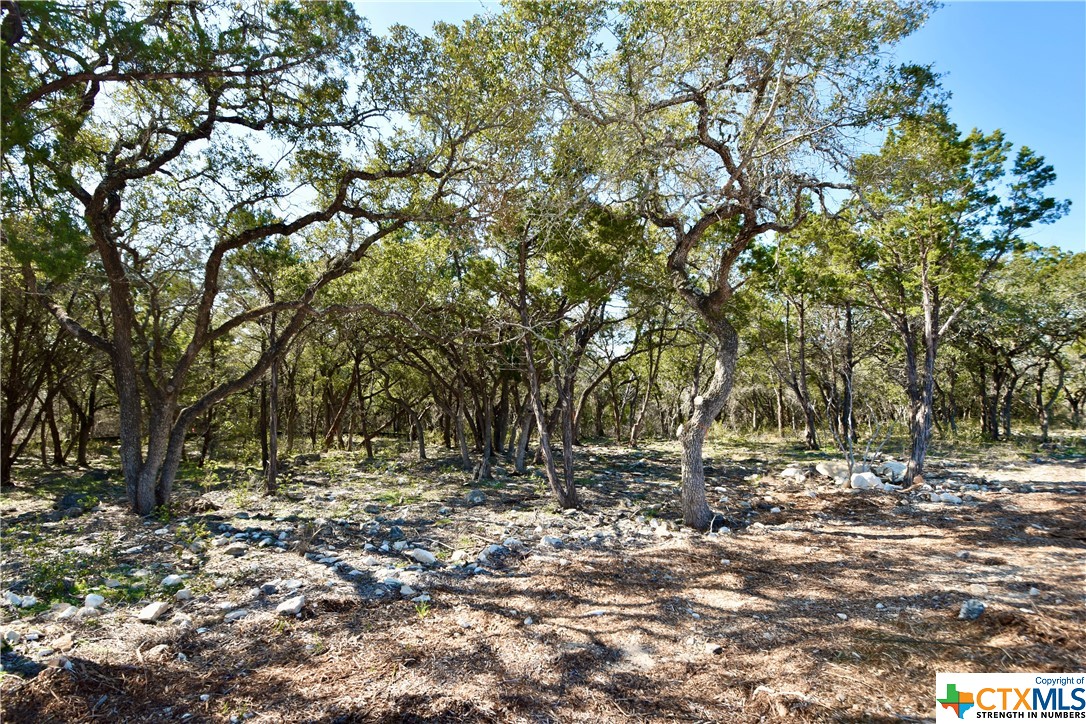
{"type": "Point", "coordinates": [190, 531]}
{"type": "Point", "coordinates": [52, 574]}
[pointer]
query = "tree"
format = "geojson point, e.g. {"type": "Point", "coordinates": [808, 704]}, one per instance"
{"type": "Point", "coordinates": [719, 118]}
{"type": "Point", "coordinates": [932, 231]}
{"type": "Point", "coordinates": [791, 279]}
{"type": "Point", "coordinates": [164, 181]}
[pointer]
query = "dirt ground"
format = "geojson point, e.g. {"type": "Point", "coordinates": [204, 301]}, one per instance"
{"type": "Point", "coordinates": [816, 603]}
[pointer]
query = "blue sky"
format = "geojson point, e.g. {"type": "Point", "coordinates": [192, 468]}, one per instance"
{"type": "Point", "coordinates": [1021, 67]}
{"type": "Point", "coordinates": [1018, 66]}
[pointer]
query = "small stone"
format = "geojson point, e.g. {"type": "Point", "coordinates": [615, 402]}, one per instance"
{"type": "Point", "coordinates": [843, 616]}
{"type": "Point", "coordinates": [399, 545]}
{"type": "Point", "coordinates": [880, 606]}
{"type": "Point", "coordinates": [64, 643]}
{"type": "Point", "coordinates": [423, 556]}
{"type": "Point", "coordinates": [407, 592]}
{"type": "Point", "coordinates": [172, 580]}
{"type": "Point", "coordinates": [269, 589]}
{"type": "Point", "coordinates": [28, 601]}
{"type": "Point", "coordinates": [158, 652]}
{"type": "Point", "coordinates": [551, 541]}
{"type": "Point", "coordinates": [291, 606]}
{"type": "Point", "coordinates": [236, 615]}
{"type": "Point", "coordinates": [152, 611]}
{"type": "Point", "coordinates": [1034, 592]}
{"type": "Point", "coordinates": [113, 583]}
{"type": "Point", "coordinates": [491, 554]}
{"type": "Point", "coordinates": [205, 697]}
{"type": "Point", "coordinates": [714, 649]}
{"type": "Point", "coordinates": [774, 510]}
{"type": "Point", "coordinates": [458, 556]}
{"type": "Point", "coordinates": [87, 612]}
{"type": "Point", "coordinates": [528, 621]}
{"type": "Point", "coordinates": [67, 613]}
{"type": "Point", "coordinates": [293, 584]}
{"type": "Point", "coordinates": [475, 497]}
{"type": "Point", "coordinates": [12, 637]}
{"type": "Point", "coordinates": [183, 595]}
{"type": "Point", "coordinates": [197, 546]}
{"type": "Point", "coordinates": [162, 531]}
{"type": "Point", "coordinates": [978, 589]}
{"type": "Point", "coordinates": [950, 498]}
{"type": "Point", "coordinates": [866, 481]}
{"type": "Point", "coordinates": [236, 549]}
{"type": "Point", "coordinates": [423, 598]}
{"type": "Point", "coordinates": [971, 610]}
{"type": "Point", "coordinates": [93, 600]}
{"type": "Point", "coordinates": [893, 470]}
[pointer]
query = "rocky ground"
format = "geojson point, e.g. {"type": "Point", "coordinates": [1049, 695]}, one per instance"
{"type": "Point", "coordinates": [395, 590]}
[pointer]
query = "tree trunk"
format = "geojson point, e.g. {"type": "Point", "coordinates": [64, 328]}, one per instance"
{"type": "Point", "coordinates": [566, 496]}
{"type": "Point", "coordinates": [599, 431]}
{"type": "Point", "coordinates": [501, 421]}
{"type": "Point", "coordinates": [1075, 399]}
{"type": "Point", "coordinates": [848, 423]}
{"type": "Point", "coordinates": [208, 442]}
{"type": "Point", "coordinates": [519, 463]}
{"type": "Point", "coordinates": [780, 410]}
{"type": "Point", "coordinates": [462, 439]}
{"type": "Point", "coordinates": [654, 369]}
{"type": "Point", "coordinates": [363, 421]}
{"type": "Point", "coordinates": [1007, 405]}
{"type": "Point", "coordinates": [59, 457]}
{"type": "Point", "coordinates": [616, 407]}
{"type": "Point", "coordinates": [271, 482]}
{"type": "Point", "coordinates": [1044, 406]}
{"type": "Point", "coordinates": [416, 420]}
{"type": "Point", "coordinates": [262, 425]}
{"type": "Point", "coordinates": [810, 435]}
{"type": "Point", "coordinates": [922, 391]}
{"type": "Point", "coordinates": [696, 511]}
{"type": "Point", "coordinates": [153, 491]}
{"type": "Point", "coordinates": [485, 472]}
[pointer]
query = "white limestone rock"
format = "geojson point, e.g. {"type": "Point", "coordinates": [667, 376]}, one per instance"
{"type": "Point", "coordinates": [291, 606]}
{"type": "Point", "coordinates": [153, 611]}
{"type": "Point", "coordinates": [423, 556]}
{"type": "Point", "coordinates": [866, 481]}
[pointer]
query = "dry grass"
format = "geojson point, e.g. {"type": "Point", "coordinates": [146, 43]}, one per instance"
{"type": "Point", "coordinates": [619, 630]}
